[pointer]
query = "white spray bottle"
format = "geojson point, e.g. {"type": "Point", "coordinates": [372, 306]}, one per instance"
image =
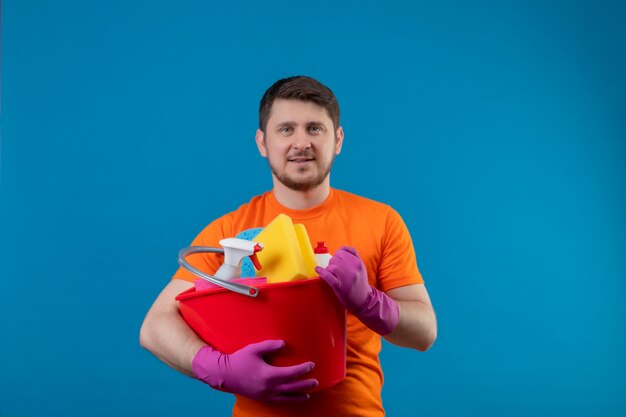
{"type": "Point", "coordinates": [234, 251]}
{"type": "Point", "coordinates": [322, 255]}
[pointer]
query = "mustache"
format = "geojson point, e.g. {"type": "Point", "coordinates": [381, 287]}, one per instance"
{"type": "Point", "coordinates": [302, 154]}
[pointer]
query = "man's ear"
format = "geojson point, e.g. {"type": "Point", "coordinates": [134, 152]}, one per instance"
{"type": "Point", "coordinates": [260, 143]}
{"type": "Point", "coordinates": [339, 140]}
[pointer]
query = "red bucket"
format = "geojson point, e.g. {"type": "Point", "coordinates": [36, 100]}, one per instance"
{"type": "Point", "coordinates": [305, 314]}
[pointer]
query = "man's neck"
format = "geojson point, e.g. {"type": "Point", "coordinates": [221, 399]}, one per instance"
{"type": "Point", "coordinates": [301, 200]}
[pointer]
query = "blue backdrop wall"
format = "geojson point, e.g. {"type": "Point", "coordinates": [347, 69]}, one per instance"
{"type": "Point", "coordinates": [496, 129]}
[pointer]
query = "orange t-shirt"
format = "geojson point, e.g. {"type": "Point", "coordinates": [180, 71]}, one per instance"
{"type": "Point", "coordinates": [383, 243]}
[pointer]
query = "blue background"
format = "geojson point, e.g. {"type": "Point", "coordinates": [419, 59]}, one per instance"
{"type": "Point", "coordinates": [496, 129]}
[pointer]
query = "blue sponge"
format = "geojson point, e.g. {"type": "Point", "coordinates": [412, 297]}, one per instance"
{"type": "Point", "coordinates": [247, 269]}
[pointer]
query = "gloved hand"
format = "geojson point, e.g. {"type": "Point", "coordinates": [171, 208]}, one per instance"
{"type": "Point", "coordinates": [245, 372]}
{"type": "Point", "coordinates": [347, 276]}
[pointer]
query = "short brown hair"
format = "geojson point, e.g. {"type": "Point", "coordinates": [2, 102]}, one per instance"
{"type": "Point", "coordinates": [299, 88]}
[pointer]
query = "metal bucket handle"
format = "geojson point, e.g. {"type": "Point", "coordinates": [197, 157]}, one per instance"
{"type": "Point", "coordinates": [232, 286]}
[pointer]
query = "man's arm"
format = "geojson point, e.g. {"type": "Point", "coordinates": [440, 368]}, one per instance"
{"type": "Point", "coordinates": [165, 333]}
{"type": "Point", "coordinates": [417, 325]}
{"type": "Point", "coordinates": [403, 315]}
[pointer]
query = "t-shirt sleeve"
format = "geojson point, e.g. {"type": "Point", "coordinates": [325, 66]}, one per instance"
{"type": "Point", "coordinates": [206, 262]}
{"type": "Point", "coordinates": [398, 265]}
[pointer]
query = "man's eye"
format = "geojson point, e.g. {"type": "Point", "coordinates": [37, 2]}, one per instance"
{"type": "Point", "coordinates": [316, 128]}
{"type": "Point", "coordinates": [284, 129]}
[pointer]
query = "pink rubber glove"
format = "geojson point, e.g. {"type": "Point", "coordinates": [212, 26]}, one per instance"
{"type": "Point", "coordinates": [245, 372]}
{"type": "Point", "coordinates": [347, 276]}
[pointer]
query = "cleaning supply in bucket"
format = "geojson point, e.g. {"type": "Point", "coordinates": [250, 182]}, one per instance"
{"type": "Point", "coordinates": [322, 255]}
{"type": "Point", "coordinates": [290, 258]}
{"type": "Point", "coordinates": [306, 249]}
{"type": "Point", "coordinates": [288, 254]}
{"type": "Point", "coordinates": [234, 251]}
{"type": "Point", "coordinates": [247, 268]}
{"type": "Point", "coordinates": [230, 268]}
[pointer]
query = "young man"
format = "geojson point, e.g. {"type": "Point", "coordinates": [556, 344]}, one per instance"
{"type": "Point", "coordinates": [373, 271]}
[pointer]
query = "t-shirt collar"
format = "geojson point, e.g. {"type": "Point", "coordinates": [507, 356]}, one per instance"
{"type": "Point", "coordinates": [302, 214]}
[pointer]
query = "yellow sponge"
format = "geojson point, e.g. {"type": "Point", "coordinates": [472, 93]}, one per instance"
{"type": "Point", "coordinates": [287, 254]}
{"type": "Point", "coordinates": [306, 249]}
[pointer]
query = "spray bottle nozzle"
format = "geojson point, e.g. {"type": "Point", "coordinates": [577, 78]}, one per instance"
{"type": "Point", "coordinates": [255, 260]}
{"type": "Point", "coordinates": [235, 250]}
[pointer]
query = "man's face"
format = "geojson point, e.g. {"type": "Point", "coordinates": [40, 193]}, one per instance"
{"type": "Point", "coordinates": [300, 143]}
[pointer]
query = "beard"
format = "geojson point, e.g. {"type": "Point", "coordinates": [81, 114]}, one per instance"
{"type": "Point", "coordinates": [302, 184]}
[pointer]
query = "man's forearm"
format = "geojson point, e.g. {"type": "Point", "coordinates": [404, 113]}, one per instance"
{"type": "Point", "coordinates": [171, 340]}
{"type": "Point", "coordinates": [417, 326]}
{"type": "Point", "coordinates": [165, 333]}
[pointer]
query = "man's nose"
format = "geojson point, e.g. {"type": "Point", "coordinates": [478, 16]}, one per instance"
{"type": "Point", "coordinates": [301, 141]}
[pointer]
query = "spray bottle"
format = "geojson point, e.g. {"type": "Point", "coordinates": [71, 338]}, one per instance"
{"type": "Point", "coordinates": [234, 251]}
